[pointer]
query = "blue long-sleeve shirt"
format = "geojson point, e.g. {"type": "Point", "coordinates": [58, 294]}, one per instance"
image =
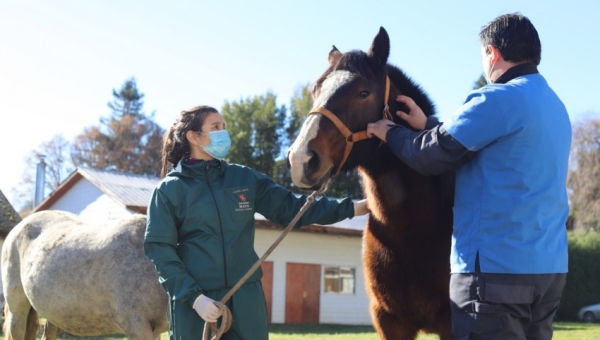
{"type": "Point", "coordinates": [509, 143]}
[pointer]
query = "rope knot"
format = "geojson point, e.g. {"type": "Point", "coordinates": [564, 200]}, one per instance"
{"type": "Point", "coordinates": [214, 332]}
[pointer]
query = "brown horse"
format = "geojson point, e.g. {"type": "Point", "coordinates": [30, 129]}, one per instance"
{"type": "Point", "coordinates": [406, 244]}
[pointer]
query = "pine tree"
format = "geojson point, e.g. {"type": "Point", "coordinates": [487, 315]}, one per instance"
{"type": "Point", "coordinates": [128, 101]}
{"type": "Point", "coordinates": [127, 141]}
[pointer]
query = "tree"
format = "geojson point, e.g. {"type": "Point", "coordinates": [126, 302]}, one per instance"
{"type": "Point", "coordinates": [268, 124]}
{"type": "Point", "coordinates": [346, 184]}
{"type": "Point", "coordinates": [255, 126]}
{"type": "Point", "coordinates": [261, 132]}
{"type": "Point", "coordinates": [584, 174]}
{"type": "Point", "coordinates": [481, 82]}
{"type": "Point", "coordinates": [55, 153]}
{"type": "Point", "coordinates": [128, 140]}
{"type": "Point", "coordinates": [301, 103]}
{"type": "Point", "coordinates": [128, 101]}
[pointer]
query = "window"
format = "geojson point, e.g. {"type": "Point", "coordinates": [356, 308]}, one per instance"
{"type": "Point", "coordinates": [339, 280]}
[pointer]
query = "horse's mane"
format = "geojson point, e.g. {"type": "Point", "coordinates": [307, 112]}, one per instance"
{"type": "Point", "coordinates": [356, 61]}
{"type": "Point", "coordinates": [409, 88]}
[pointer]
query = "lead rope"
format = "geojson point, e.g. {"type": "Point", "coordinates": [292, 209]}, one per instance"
{"type": "Point", "coordinates": [210, 328]}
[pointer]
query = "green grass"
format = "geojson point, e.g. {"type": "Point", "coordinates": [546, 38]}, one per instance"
{"type": "Point", "coordinates": [576, 331]}
{"type": "Point", "coordinates": [322, 332]}
{"type": "Point", "coordinates": [562, 331]}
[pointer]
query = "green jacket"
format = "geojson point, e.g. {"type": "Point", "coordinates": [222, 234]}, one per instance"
{"type": "Point", "coordinates": [200, 232]}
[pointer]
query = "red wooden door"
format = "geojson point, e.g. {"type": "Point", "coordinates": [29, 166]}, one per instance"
{"type": "Point", "coordinates": [267, 284]}
{"type": "Point", "coordinates": [303, 293]}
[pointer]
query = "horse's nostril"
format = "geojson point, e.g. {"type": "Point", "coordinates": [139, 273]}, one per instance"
{"type": "Point", "coordinates": [287, 161]}
{"type": "Point", "coordinates": [314, 161]}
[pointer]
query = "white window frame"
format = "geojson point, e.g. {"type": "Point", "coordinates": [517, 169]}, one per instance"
{"type": "Point", "coordinates": [345, 285]}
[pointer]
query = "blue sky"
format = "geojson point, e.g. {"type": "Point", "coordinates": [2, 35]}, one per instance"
{"type": "Point", "coordinates": [60, 60]}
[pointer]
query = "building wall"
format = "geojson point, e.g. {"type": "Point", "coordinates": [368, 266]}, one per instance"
{"type": "Point", "coordinates": [325, 250]}
{"type": "Point", "coordinates": [1, 287]}
{"type": "Point", "coordinates": [90, 203]}
{"type": "Point", "coordinates": [86, 200]}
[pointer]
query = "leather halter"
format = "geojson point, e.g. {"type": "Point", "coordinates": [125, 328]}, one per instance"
{"type": "Point", "coordinates": [352, 137]}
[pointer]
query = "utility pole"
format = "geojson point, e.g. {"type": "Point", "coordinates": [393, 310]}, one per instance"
{"type": "Point", "coordinates": [40, 181]}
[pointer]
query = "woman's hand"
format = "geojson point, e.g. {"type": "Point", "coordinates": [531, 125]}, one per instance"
{"type": "Point", "coordinates": [206, 308]}
{"type": "Point", "coordinates": [415, 118]}
{"type": "Point", "coordinates": [361, 208]}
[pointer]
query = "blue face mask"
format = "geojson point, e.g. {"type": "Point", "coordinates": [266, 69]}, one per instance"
{"type": "Point", "coordinates": [219, 143]}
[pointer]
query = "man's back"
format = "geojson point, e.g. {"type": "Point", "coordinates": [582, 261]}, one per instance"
{"type": "Point", "coordinates": [511, 201]}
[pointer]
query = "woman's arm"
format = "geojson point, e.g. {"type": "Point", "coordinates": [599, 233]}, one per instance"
{"type": "Point", "coordinates": [281, 205]}
{"type": "Point", "coordinates": [160, 246]}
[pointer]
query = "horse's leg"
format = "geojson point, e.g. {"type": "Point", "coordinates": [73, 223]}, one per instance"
{"type": "Point", "coordinates": [50, 331]}
{"type": "Point", "coordinates": [21, 320]}
{"type": "Point", "coordinates": [445, 326]}
{"type": "Point", "coordinates": [389, 327]}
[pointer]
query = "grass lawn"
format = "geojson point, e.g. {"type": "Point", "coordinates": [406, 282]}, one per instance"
{"type": "Point", "coordinates": [562, 331]}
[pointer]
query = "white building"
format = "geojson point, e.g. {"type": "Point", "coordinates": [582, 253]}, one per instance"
{"type": "Point", "coordinates": [314, 276]}
{"type": "Point", "coordinates": [8, 219]}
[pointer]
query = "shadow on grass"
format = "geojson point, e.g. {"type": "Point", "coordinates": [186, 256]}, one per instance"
{"type": "Point", "coordinates": [567, 328]}
{"type": "Point", "coordinates": [574, 326]}
{"type": "Point", "coordinates": [63, 335]}
{"type": "Point", "coordinates": [318, 329]}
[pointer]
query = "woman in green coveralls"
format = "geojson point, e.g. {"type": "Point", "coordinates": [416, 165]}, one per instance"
{"type": "Point", "coordinates": [200, 232]}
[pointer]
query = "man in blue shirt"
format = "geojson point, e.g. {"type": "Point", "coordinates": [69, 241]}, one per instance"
{"type": "Point", "coordinates": [509, 143]}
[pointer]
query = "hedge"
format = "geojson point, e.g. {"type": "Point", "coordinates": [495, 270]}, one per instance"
{"type": "Point", "coordinates": [583, 279]}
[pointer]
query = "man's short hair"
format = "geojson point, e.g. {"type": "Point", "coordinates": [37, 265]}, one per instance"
{"type": "Point", "coordinates": [515, 37]}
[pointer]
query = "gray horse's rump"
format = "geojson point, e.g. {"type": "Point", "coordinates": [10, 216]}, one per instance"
{"type": "Point", "coordinates": [86, 279]}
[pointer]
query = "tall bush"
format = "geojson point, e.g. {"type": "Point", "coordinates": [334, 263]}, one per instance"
{"type": "Point", "coordinates": [583, 279]}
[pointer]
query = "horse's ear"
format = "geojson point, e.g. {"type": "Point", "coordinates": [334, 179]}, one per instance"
{"type": "Point", "coordinates": [380, 49]}
{"type": "Point", "coordinates": [334, 56]}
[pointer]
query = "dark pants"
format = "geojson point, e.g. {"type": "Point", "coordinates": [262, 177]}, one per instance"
{"type": "Point", "coordinates": [504, 306]}
{"type": "Point", "coordinates": [248, 309]}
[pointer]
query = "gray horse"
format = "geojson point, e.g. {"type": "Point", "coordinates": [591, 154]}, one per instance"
{"type": "Point", "coordinates": [85, 279]}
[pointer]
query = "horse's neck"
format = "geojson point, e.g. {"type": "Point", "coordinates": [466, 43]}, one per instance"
{"type": "Point", "coordinates": [399, 197]}
{"type": "Point", "coordinates": [387, 184]}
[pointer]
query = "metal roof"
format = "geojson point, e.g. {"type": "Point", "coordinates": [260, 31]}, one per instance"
{"type": "Point", "coordinates": [128, 189]}
{"type": "Point", "coordinates": [8, 215]}
{"type": "Point", "coordinates": [135, 191]}
{"type": "Point", "coordinates": [354, 226]}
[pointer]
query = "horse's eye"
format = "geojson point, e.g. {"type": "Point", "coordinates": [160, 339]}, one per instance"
{"type": "Point", "coordinates": [363, 94]}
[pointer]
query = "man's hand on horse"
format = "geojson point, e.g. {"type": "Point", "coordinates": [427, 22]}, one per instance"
{"type": "Point", "coordinates": [379, 129]}
{"type": "Point", "coordinates": [415, 116]}
{"type": "Point", "coordinates": [206, 308]}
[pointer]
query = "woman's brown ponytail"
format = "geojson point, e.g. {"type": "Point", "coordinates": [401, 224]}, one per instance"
{"type": "Point", "coordinates": [175, 144]}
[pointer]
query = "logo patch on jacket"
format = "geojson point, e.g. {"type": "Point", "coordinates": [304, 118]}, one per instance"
{"type": "Point", "coordinates": [243, 204]}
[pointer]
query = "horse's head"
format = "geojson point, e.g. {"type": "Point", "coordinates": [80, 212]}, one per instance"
{"type": "Point", "coordinates": [348, 96]}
